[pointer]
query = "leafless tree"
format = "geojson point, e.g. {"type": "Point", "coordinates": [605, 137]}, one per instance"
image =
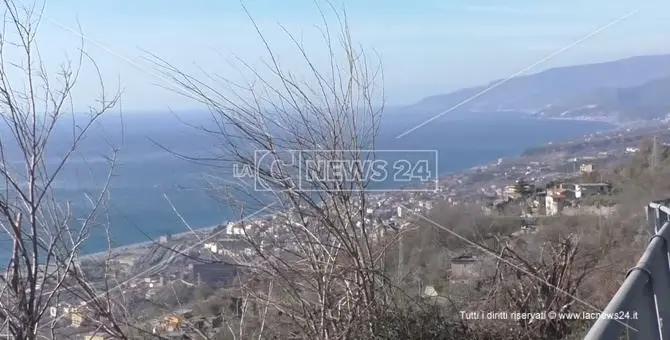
{"type": "Point", "coordinates": [567, 265]}
{"type": "Point", "coordinates": [316, 266]}
{"type": "Point", "coordinates": [46, 234]}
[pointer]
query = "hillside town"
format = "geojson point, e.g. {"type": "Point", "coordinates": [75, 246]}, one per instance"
{"type": "Point", "coordinates": [535, 189]}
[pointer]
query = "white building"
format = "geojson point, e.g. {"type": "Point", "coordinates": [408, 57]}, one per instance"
{"type": "Point", "coordinates": [212, 247]}
{"type": "Point", "coordinates": [553, 203]}
{"type": "Point", "coordinates": [233, 229]}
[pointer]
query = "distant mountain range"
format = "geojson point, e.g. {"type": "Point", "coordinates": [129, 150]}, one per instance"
{"type": "Point", "coordinates": [631, 89]}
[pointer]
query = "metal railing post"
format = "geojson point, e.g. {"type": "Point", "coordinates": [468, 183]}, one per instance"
{"type": "Point", "coordinates": [662, 217]}
{"type": "Point", "coordinates": [661, 285]}
{"type": "Point", "coordinates": [663, 295]}
{"type": "Point", "coordinates": [623, 300]}
{"type": "Point", "coordinates": [643, 316]}
{"type": "Point", "coordinates": [642, 313]}
{"type": "Point", "coordinates": [642, 303]}
{"type": "Point", "coordinates": [661, 269]}
{"type": "Point", "coordinates": [652, 219]}
{"type": "Point", "coordinates": [641, 306]}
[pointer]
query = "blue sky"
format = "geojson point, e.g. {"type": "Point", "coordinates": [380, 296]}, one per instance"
{"type": "Point", "coordinates": [427, 47]}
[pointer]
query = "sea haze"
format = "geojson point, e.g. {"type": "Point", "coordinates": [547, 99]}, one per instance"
{"type": "Point", "coordinates": [146, 174]}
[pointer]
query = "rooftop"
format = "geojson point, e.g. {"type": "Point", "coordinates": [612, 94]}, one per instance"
{"type": "Point", "coordinates": [462, 259]}
{"type": "Point", "coordinates": [593, 184]}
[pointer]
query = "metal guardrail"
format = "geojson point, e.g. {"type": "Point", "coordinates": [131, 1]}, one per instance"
{"type": "Point", "coordinates": [643, 301]}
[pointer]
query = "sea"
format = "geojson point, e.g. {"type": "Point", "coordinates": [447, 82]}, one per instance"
{"type": "Point", "coordinates": [155, 190]}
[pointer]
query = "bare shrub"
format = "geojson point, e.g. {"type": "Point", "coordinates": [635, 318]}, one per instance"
{"type": "Point", "coordinates": [45, 234]}
{"type": "Point", "coordinates": [321, 276]}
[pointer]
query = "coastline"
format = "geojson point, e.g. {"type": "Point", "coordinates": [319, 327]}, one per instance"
{"type": "Point", "coordinates": [616, 124]}
{"type": "Point", "coordinates": [142, 246]}
{"type": "Point", "coordinates": [594, 119]}
{"type": "Point", "coordinates": [132, 247]}
{"type": "Point", "coordinates": [136, 247]}
{"type": "Point", "coordinates": [539, 115]}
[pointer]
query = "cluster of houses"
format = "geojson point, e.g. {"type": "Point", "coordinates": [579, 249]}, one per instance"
{"type": "Point", "coordinates": [565, 195]}
{"type": "Point", "coordinates": [181, 323]}
{"type": "Point", "coordinates": [382, 213]}
{"type": "Point", "coordinates": [552, 200]}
